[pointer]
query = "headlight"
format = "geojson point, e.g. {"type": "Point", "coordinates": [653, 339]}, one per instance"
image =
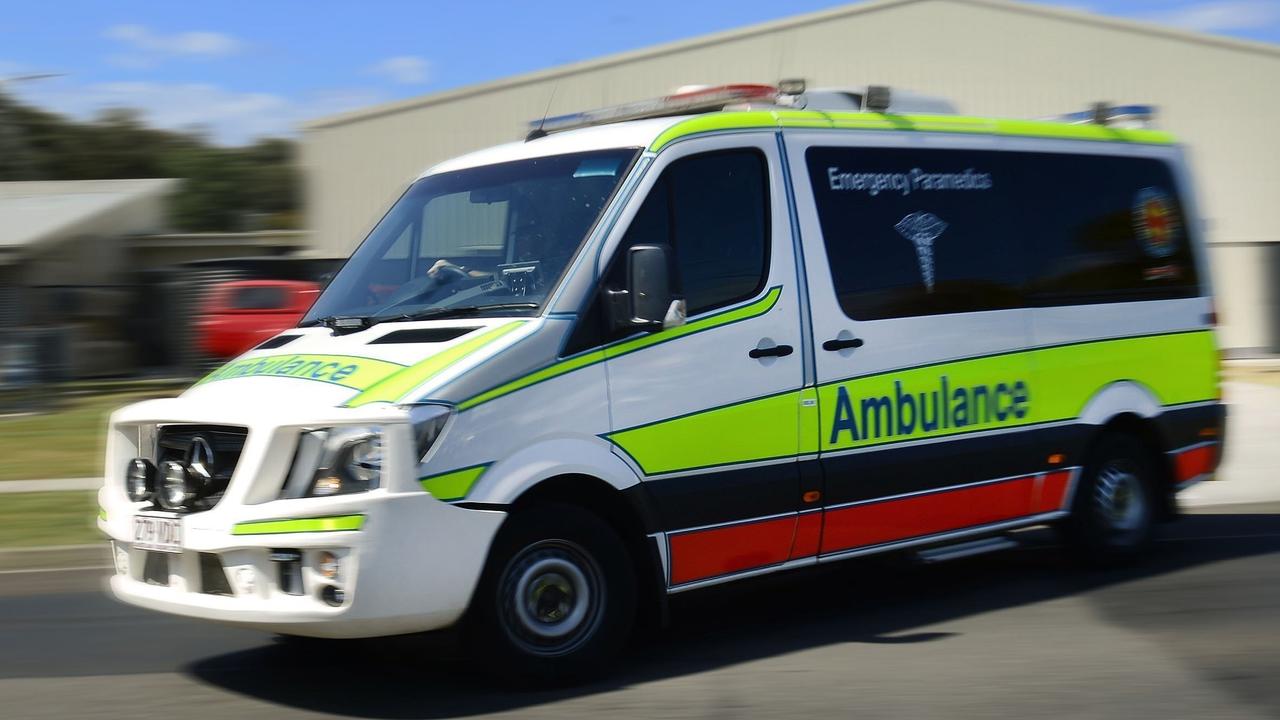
{"type": "Point", "coordinates": [428, 422]}
{"type": "Point", "coordinates": [336, 461]}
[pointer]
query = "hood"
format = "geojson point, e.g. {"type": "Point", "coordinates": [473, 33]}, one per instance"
{"type": "Point", "coordinates": [385, 363]}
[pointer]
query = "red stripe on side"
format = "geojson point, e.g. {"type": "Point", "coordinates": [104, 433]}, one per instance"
{"type": "Point", "coordinates": [1195, 462]}
{"type": "Point", "coordinates": [808, 535]}
{"type": "Point", "coordinates": [882, 522]}
{"type": "Point", "coordinates": [1053, 492]}
{"type": "Point", "coordinates": [718, 551]}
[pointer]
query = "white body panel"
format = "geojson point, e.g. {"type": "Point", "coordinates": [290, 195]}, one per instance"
{"type": "Point", "coordinates": [711, 369]}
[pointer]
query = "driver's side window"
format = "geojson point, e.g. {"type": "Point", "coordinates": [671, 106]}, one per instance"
{"type": "Point", "coordinates": [712, 209]}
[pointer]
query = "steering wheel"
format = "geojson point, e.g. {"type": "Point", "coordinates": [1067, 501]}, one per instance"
{"type": "Point", "coordinates": [426, 285]}
{"type": "Point", "coordinates": [451, 273]}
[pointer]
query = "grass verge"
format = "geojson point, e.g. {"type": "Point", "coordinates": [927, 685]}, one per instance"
{"type": "Point", "coordinates": [67, 442]}
{"type": "Point", "coordinates": [48, 518]}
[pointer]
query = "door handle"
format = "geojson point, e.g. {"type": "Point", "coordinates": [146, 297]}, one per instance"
{"type": "Point", "coordinates": [839, 344]}
{"type": "Point", "coordinates": [775, 351]}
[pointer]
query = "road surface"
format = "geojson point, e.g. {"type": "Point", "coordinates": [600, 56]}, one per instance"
{"type": "Point", "coordinates": [1192, 633]}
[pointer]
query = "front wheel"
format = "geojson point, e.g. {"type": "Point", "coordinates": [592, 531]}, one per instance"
{"type": "Point", "coordinates": [557, 598]}
{"type": "Point", "coordinates": [1113, 511]}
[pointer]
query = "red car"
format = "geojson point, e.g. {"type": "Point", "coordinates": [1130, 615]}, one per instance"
{"type": "Point", "coordinates": [240, 314]}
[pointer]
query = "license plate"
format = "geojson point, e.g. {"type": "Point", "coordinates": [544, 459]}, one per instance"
{"type": "Point", "coordinates": [161, 533]}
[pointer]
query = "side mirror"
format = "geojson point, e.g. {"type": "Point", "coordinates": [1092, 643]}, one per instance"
{"type": "Point", "coordinates": [647, 303]}
{"type": "Point", "coordinates": [649, 283]}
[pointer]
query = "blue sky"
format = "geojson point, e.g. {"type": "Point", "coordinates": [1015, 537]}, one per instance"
{"type": "Point", "coordinates": [246, 69]}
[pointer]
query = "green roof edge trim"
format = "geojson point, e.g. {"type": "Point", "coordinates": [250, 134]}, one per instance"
{"type": "Point", "coordinates": [810, 119]}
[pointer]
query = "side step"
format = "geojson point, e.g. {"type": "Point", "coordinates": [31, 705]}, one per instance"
{"type": "Point", "coordinates": [965, 549]}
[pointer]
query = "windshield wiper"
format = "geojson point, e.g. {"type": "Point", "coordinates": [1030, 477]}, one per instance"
{"type": "Point", "coordinates": [444, 312]}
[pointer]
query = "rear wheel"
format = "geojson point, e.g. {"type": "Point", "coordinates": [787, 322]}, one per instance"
{"type": "Point", "coordinates": [1113, 512]}
{"type": "Point", "coordinates": [557, 599]}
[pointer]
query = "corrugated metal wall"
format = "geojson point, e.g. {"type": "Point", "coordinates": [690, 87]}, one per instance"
{"type": "Point", "coordinates": [992, 57]}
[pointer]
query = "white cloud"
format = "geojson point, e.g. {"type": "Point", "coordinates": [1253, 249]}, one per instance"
{"type": "Point", "coordinates": [228, 116]}
{"type": "Point", "coordinates": [404, 69]}
{"type": "Point", "coordinates": [1222, 15]}
{"type": "Point", "coordinates": [142, 41]}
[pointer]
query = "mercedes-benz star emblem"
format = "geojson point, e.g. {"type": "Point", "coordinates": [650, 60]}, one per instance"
{"type": "Point", "coordinates": [200, 459]}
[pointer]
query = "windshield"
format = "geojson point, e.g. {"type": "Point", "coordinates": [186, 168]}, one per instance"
{"type": "Point", "coordinates": [485, 239]}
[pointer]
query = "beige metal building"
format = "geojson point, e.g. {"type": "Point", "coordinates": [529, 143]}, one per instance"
{"type": "Point", "coordinates": [992, 57]}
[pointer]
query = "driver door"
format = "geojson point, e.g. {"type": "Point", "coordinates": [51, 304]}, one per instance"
{"type": "Point", "coordinates": [709, 412]}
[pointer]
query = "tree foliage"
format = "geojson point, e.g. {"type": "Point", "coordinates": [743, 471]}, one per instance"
{"type": "Point", "coordinates": [224, 188]}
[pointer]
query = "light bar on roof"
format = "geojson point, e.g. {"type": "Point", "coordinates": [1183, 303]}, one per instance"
{"type": "Point", "coordinates": [694, 101]}
{"type": "Point", "coordinates": [1135, 115]}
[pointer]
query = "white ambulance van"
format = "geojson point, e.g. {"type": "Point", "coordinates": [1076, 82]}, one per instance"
{"type": "Point", "coordinates": [730, 332]}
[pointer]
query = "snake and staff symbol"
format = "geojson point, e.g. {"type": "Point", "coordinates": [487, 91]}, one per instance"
{"type": "Point", "coordinates": [922, 228]}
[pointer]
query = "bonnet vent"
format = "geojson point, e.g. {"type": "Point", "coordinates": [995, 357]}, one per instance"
{"type": "Point", "coordinates": [422, 335]}
{"type": "Point", "coordinates": [277, 341]}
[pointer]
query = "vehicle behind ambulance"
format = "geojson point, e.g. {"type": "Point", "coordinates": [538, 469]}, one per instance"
{"type": "Point", "coordinates": [652, 348]}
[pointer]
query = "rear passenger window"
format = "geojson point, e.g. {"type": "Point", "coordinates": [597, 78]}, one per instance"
{"type": "Point", "coordinates": [1105, 229]}
{"type": "Point", "coordinates": [713, 211]}
{"type": "Point", "coordinates": [917, 233]}
{"type": "Point", "coordinates": [911, 232]}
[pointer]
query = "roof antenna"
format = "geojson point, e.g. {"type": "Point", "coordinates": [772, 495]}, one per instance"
{"type": "Point", "coordinates": [538, 132]}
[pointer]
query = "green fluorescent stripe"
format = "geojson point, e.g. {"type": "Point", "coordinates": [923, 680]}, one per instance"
{"type": "Point", "coordinates": [394, 387]}
{"type": "Point", "coordinates": [743, 432]}
{"type": "Point", "coordinates": [560, 368]}
{"type": "Point", "coordinates": [715, 122]}
{"type": "Point", "coordinates": [1060, 381]}
{"type": "Point", "coordinates": [332, 523]}
{"type": "Point", "coordinates": [718, 122]}
{"type": "Point", "coordinates": [356, 373]}
{"type": "Point", "coordinates": [102, 514]}
{"type": "Point", "coordinates": [744, 312]}
{"type": "Point", "coordinates": [453, 485]}
{"type": "Point", "coordinates": [750, 310]}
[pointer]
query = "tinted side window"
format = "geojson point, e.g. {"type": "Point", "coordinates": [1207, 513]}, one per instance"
{"type": "Point", "coordinates": [713, 211]}
{"type": "Point", "coordinates": [911, 232]}
{"type": "Point", "coordinates": [1104, 229]}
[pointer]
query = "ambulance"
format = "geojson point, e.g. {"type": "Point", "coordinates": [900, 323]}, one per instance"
{"type": "Point", "coordinates": [653, 348]}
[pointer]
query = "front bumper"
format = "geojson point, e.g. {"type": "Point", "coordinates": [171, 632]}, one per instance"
{"type": "Point", "coordinates": [408, 563]}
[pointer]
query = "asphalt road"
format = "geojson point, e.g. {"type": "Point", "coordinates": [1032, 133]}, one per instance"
{"type": "Point", "coordinates": [1192, 632]}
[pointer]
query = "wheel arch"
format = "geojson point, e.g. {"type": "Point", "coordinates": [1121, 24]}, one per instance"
{"type": "Point", "coordinates": [1123, 397]}
{"type": "Point", "coordinates": [1146, 430]}
{"type": "Point", "coordinates": [629, 512]}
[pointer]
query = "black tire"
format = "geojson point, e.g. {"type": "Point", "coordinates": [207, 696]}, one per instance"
{"type": "Point", "coordinates": [557, 599]}
{"type": "Point", "coordinates": [1113, 512]}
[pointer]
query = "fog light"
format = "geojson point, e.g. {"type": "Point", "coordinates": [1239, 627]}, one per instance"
{"type": "Point", "coordinates": [122, 560]}
{"type": "Point", "coordinates": [176, 487]}
{"type": "Point", "coordinates": [140, 479]}
{"type": "Point", "coordinates": [246, 581]}
{"type": "Point", "coordinates": [332, 596]}
{"type": "Point", "coordinates": [327, 565]}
